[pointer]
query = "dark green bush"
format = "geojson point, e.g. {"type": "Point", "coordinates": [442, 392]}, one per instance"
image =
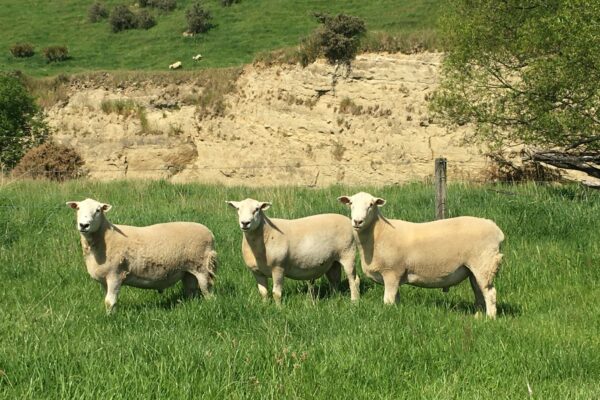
{"type": "Point", "coordinates": [97, 12]}
{"type": "Point", "coordinates": [56, 53]}
{"type": "Point", "coordinates": [163, 5]}
{"type": "Point", "coordinates": [229, 3]}
{"type": "Point", "coordinates": [198, 19]}
{"type": "Point", "coordinates": [122, 18]}
{"type": "Point", "coordinates": [21, 122]}
{"type": "Point", "coordinates": [144, 3]}
{"type": "Point", "coordinates": [50, 161]}
{"type": "Point", "coordinates": [339, 37]}
{"type": "Point", "coordinates": [144, 20]}
{"type": "Point", "coordinates": [22, 50]}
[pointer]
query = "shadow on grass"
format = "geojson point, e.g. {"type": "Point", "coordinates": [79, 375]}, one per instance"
{"type": "Point", "coordinates": [468, 307]}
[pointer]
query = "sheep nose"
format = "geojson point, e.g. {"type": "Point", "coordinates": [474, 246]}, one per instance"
{"type": "Point", "coordinates": [245, 224]}
{"type": "Point", "coordinates": [357, 222]}
{"type": "Point", "coordinates": [83, 226]}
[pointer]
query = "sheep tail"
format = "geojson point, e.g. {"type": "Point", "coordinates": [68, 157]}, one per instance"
{"type": "Point", "coordinates": [211, 263]}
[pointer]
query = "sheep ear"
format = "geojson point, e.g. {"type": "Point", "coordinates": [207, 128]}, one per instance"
{"type": "Point", "coordinates": [345, 200]}
{"type": "Point", "coordinates": [73, 204]}
{"type": "Point", "coordinates": [233, 204]}
{"type": "Point", "coordinates": [379, 202]}
{"type": "Point", "coordinates": [265, 205]}
{"type": "Point", "coordinates": [106, 207]}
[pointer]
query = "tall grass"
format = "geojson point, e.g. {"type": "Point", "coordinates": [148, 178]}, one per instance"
{"type": "Point", "coordinates": [56, 342]}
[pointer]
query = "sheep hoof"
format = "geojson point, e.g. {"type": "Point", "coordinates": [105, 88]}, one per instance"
{"type": "Point", "coordinates": [445, 290]}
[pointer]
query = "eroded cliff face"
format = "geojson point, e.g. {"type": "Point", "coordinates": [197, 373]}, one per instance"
{"type": "Point", "coordinates": [281, 125]}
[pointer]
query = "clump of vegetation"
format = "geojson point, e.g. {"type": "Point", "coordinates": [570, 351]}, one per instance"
{"type": "Point", "coordinates": [407, 43]}
{"type": "Point", "coordinates": [144, 20]}
{"type": "Point", "coordinates": [198, 19]}
{"type": "Point", "coordinates": [347, 106]}
{"type": "Point", "coordinates": [50, 161]}
{"type": "Point", "coordinates": [21, 122]}
{"type": "Point", "coordinates": [97, 12]}
{"type": "Point", "coordinates": [122, 18]}
{"type": "Point", "coordinates": [125, 108]}
{"type": "Point", "coordinates": [163, 5]}
{"type": "Point", "coordinates": [56, 53]}
{"type": "Point", "coordinates": [22, 50]}
{"type": "Point", "coordinates": [337, 39]}
{"type": "Point", "coordinates": [229, 3]}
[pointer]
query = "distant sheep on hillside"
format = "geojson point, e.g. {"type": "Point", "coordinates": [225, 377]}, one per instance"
{"type": "Point", "coordinates": [176, 65]}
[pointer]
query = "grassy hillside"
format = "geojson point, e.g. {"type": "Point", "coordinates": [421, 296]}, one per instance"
{"type": "Point", "coordinates": [58, 344]}
{"type": "Point", "coordinates": [241, 32]}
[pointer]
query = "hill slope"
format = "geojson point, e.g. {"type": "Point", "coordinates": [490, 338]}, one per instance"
{"type": "Point", "coordinates": [241, 32]}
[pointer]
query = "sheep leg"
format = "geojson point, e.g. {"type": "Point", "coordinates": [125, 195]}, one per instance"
{"type": "Point", "coordinates": [277, 274]}
{"type": "Point", "coordinates": [334, 275]}
{"type": "Point", "coordinates": [479, 299]}
{"type": "Point", "coordinates": [489, 294]}
{"type": "Point", "coordinates": [190, 285]}
{"type": "Point", "coordinates": [391, 283]}
{"type": "Point", "coordinates": [353, 279]}
{"type": "Point", "coordinates": [311, 288]}
{"type": "Point", "coordinates": [261, 282]}
{"type": "Point", "coordinates": [113, 285]}
{"type": "Point", "coordinates": [205, 283]}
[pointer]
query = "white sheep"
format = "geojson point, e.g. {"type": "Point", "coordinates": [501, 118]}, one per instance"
{"type": "Point", "coordinates": [197, 57]}
{"type": "Point", "coordinates": [151, 257]}
{"type": "Point", "coordinates": [301, 249]}
{"type": "Point", "coordinates": [436, 254]}
{"type": "Point", "coordinates": [176, 65]}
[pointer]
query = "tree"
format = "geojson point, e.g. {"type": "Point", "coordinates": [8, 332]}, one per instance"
{"type": "Point", "coordinates": [198, 19]}
{"type": "Point", "coordinates": [526, 72]}
{"type": "Point", "coordinates": [339, 37]}
{"type": "Point", "coordinates": [21, 123]}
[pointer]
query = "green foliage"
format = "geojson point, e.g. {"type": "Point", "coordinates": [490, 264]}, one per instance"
{"type": "Point", "coordinates": [198, 19]}
{"type": "Point", "coordinates": [22, 50]}
{"type": "Point", "coordinates": [58, 344]}
{"type": "Point", "coordinates": [339, 37]}
{"type": "Point", "coordinates": [97, 12]}
{"type": "Point", "coordinates": [21, 123]}
{"type": "Point", "coordinates": [144, 20]}
{"type": "Point", "coordinates": [56, 53]}
{"type": "Point", "coordinates": [229, 3]}
{"type": "Point", "coordinates": [51, 161]}
{"type": "Point", "coordinates": [122, 18]}
{"type": "Point", "coordinates": [524, 72]}
{"type": "Point", "coordinates": [164, 5]}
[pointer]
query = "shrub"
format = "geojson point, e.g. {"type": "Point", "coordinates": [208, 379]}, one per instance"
{"type": "Point", "coordinates": [21, 50]}
{"type": "Point", "coordinates": [144, 3]}
{"type": "Point", "coordinates": [50, 161]}
{"type": "Point", "coordinates": [144, 20]}
{"type": "Point", "coordinates": [97, 12]}
{"type": "Point", "coordinates": [56, 53]}
{"type": "Point", "coordinates": [339, 37]}
{"type": "Point", "coordinates": [163, 5]}
{"type": "Point", "coordinates": [122, 18]}
{"type": "Point", "coordinates": [229, 3]}
{"type": "Point", "coordinates": [21, 123]}
{"type": "Point", "coordinates": [198, 19]}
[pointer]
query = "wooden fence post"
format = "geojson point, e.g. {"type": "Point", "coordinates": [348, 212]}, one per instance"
{"type": "Point", "coordinates": [440, 188]}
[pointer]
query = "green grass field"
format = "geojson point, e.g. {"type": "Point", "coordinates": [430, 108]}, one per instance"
{"type": "Point", "coordinates": [57, 343]}
{"type": "Point", "coordinates": [241, 32]}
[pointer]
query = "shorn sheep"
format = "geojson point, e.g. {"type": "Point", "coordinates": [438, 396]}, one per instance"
{"type": "Point", "coordinates": [436, 254]}
{"type": "Point", "coordinates": [176, 65]}
{"type": "Point", "coordinates": [151, 257]}
{"type": "Point", "coordinates": [301, 249]}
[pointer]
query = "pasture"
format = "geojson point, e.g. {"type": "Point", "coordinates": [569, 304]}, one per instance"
{"type": "Point", "coordinates": [240, 32]}
{"type": "Point", "coordinates": [57, 342]}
